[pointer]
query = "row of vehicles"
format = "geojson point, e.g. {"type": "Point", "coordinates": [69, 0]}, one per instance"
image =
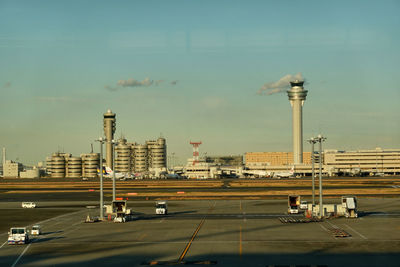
{"type": "Point", "coordinates": [20, 235]}
{"type": "Point", "coordinates": [118, 211]}
{"type": "Point", "coordinates": [347, 207]}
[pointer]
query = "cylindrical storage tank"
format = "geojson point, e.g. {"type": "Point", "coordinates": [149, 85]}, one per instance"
{"type": "Point", "coordinates": [141, 158]}
{"type": "Point", "coordinates": [91, 163]}
{"type": "Point", "coordinates": [74, 167]}
{"type": "Point", "coordinates": [57, 166]}
{"type": "Point", "coordinates": [48, 165]}
{"type": "Point", "coordinates": [158, 156]}
{"type": "Point", "coordinates": [123, 159]}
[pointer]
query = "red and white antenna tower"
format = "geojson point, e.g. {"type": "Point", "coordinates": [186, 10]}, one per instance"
{"type": "Point", "coordinates": [195, 151]}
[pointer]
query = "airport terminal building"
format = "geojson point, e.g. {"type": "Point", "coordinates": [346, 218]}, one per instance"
{"type": "Point", "coordinates": [335, 162]}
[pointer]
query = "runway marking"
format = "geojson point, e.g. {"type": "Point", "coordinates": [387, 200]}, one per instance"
{"type": "Point", "coordinates": [323, 227]}
{"type": "Point", "coordinates": [4, 243]}
{"type": "Point", "coordinates": [356, 232]}
{"type": "Point", "coordinates": [70, 231]}
{"type": "Point", "coordinates": [191, 240]}
{"type": "Point", "coordinates": [50, 219]}
{"type": "Point", "coordinates": [240, 241]}
{"type": "Point", "coordinates": [20, 256]}
{"type": "Point", "coordinates": [195, 234]}
{"type": "Point", "coordinates": [334, 226]}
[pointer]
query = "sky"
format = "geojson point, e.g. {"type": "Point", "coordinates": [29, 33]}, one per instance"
{"type": "Point", "coordinates": [192, 71]}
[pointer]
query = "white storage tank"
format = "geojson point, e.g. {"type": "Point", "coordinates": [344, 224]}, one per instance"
{"type": "Point", "coordinates": [74, 167]}
{"type": "Point", "coordinates": [57, 166]}
{"type": "Point", "coordinates": [91, 162]}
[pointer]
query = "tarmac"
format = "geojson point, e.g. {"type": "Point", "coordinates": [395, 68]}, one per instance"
{"type": "Point", "coordinates": [208, 232]}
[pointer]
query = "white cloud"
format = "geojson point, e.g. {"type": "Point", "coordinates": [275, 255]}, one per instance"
{"type": "Point", "coordinates": [279, 86]}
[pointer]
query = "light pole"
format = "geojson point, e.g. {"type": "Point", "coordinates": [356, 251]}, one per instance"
{"type": "Point", "coordinates": [101, 141]}
{"type": "Point", "coordinates": [320, 139]}
{"type": "Point", "coordinates": [312, 141]}
{"type": "Point", "coordinates": [113, 142]}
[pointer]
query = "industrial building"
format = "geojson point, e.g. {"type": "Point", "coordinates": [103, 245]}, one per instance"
{"type": "Point", "coordinates": [200, 169]}
{"type": "Point", "coordinates": [12, 169]}
{"type": "Point", "coordinates": [362, 162]}
{"type": "Point", "coordinates": [141, 158]}
{"type": "Point", "coordinates": [260, 159]}
{"type": "Point", "coordinates": [61, 165]}
{"type": "Point", "coordinates": [334, 162]}
{"type": "Point", "coordinates": [225, 160]}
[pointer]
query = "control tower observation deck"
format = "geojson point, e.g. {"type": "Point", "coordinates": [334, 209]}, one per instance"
{"type": "Point", "coordinates": [297, 95]}
{"type": "Point", "coordinates": [109, 130]}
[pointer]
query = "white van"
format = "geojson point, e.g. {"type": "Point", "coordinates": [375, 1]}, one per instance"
{"type": "Point", "coordinates": [28, 205]}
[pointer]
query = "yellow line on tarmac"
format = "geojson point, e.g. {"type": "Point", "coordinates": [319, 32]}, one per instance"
{"type": "Point", "coordinates": [191, 240]}
{"type": "Point", "coordinates": [195, 234]}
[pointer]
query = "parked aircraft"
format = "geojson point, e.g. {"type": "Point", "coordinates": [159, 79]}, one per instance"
{"type": "Point", "coordinates": [257, 173]}
{"type": "Point", "coordinates": [108, 173]}
{"type": "Point", "coordinates": [288, 174]}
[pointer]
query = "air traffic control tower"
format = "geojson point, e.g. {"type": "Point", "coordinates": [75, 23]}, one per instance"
{"type": "Point", "coordinates": [297, 95]}
{"type": "Point", "coordinates": [109, 130]}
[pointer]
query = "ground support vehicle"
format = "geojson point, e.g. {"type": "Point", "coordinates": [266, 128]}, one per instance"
{"type": "Point", "coordinates": [28, 205]}
{"type": "Point", "coordinates": [349, 203]}
{"type": "Point", "coordinates": [293, 204]}
{"type": "Point", "coordinates": [18, 235]}
{"type": "Point", "coordinates": [303, 205]}
{"type": "Point", "coordinates": [161, 207]}
{"type": "Point", "coordinates": [36, 230]}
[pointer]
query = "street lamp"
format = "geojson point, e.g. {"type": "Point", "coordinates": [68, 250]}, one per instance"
{"type": "Point", "coordinates": [101, 140]}
{"type": "Point", "coordinates": [113, 142]}
{"type": "Point", "coordinates": [312, 141]}
{"type": "Point", "coordinates": [320, 139]}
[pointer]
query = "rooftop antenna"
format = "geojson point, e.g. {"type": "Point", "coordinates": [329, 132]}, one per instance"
{"type": "Point", "coordinates": [91, 148]}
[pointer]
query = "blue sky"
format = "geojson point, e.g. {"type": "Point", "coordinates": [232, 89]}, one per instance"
{"type": "Point", "coordinates": [59, 57]}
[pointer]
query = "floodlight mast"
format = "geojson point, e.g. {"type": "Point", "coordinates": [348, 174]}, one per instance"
{"type": "Point", "coordinates": [312, 141]}
{"type": "Point", "coordinates": [113, 164]}
{"type": "Point", "coordinates": [101, 140]}
{"type": "Point", "coordinates": [320, 139]}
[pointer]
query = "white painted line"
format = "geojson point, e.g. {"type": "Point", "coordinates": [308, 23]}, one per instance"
{"type": "Point", "coordinates": [323, 227]}
{"type": "Point", "coordinates": [356, 232]}
{"type": "Point", "coordinates": [334, 226]}
{"type": "Point", "coordinates": [3, 244]}
{"type": "Point", "coordinates": [20, 256]}
{"type": "Point", "coordinates": [63, 230]}
{"type": "Point", "coordinates": [50, 219]}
